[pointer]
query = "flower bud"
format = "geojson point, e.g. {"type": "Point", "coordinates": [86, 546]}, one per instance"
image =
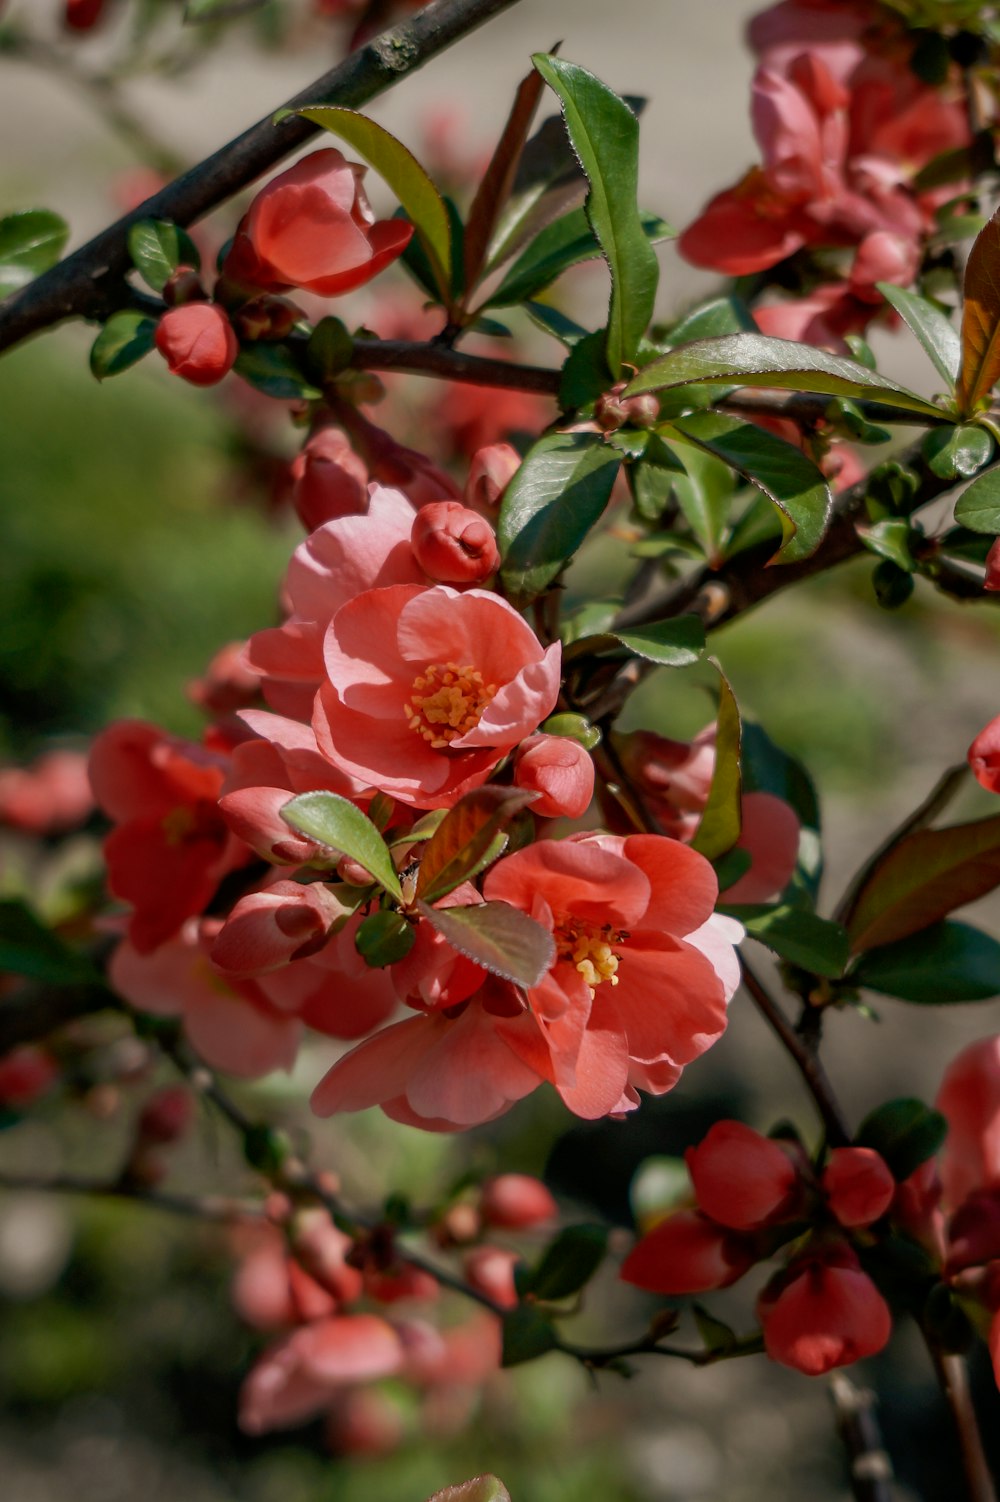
{"type": "Point", "coordinates": [166, 1116]}
{"type": "Point", "coordinates": [741, 1179]}
{"type": "Point", "coordinates": [454, 545]}
{"type": "Point", "coordinates": [81, 15]}
{"type": "Point", "coordinates": [26, 1073]}
{"type": "Point", "coordinates": [516, 1201]}
{"type": "Point", "coordinates": [687, 1253]}
{"type": "Point", "coordinates": [329, 480]}
{"type": "Point", "coordinates": [490, 472]}
{"type": "Point", "coordinates": [974, 1232]}
{"type": "Point", "coordinates": [227, 684]}
{"type": "Point", "coordinates": [613, 410]}
{"type": "Point", "coordinates": [265, 930]}
{"type": "Point", "coordinates": [858, 1185]}
{"type": "Point", "coordinates": [197, 342]}
{"type": "Point", "coordinates": [266, 317]}
{"type": "Point", "coordinates": [823, 1312]}
{"type": "Point", "coordinates": [490, 1270]}
{"type": "Point", "coordinates": [560, 770]}
{"type": "Point", "coordinates": [183, 286]}
{"type": "Point", "coordinates": [992, 580]}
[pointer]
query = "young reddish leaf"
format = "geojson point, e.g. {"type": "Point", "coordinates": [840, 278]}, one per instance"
{"type": "Point", "coordinates": [722, 819]}
{"type": "Point", "coordinates": [498, 179]}
{"type": "Point", "coordinates": [405, 176]}
{"type": "Point", "coordinates": [497, 936]}
{"type": "Point", "coordinates": [463, 839]}
{"type": "Point", "coordinates": [924, 877]}
{"type": "Point", "coordinates": [549, 182]}
{"type": "Point", "coordinates": [980, 368]}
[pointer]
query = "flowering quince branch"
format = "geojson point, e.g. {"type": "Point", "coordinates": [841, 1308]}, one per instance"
{"type": "Point", "coordinates": [194, 1206]}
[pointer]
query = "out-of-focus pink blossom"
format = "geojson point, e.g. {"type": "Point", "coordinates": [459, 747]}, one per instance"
{"type": "Point", "coordinates": [517, 1202]}
{"type": "Point", "coordinates": [328, 479]}
{"type": "Point", "coordinates": [81, 15]}
{"type": "Point", "coordinates": [51, 795]}
{"type": "Point", "coordinates": [313, 227]}
{"type": "Point", "coordinates": [969, 1098]}
{"type": "Point", "coordinates": [992, 580]}
{"type": "Point", "coordinates": [490, 472]}
{"type": "Point", "coordinates": [298, 1378]}
{"type": "Point", "coordinates": [26, 1074]}
{"type": "Point", "coordinates": [490, 1269]}
{"type": "Point", "coordinates": [227, 684]}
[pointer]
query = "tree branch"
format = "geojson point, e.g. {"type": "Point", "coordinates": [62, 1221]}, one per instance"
{"type": "Point", "coordinates": [194, 1206]}
{"type": "Point", "coordinates": [805, 1060]}
{"type": "Point", "coordinates": [870, 1466]}
{"type": "Point", "coordinates": [90, 282]}
{"type": "Point", "coordinates": [953, 1378]}
{"type": "Point", "coordinates": [452, 365]}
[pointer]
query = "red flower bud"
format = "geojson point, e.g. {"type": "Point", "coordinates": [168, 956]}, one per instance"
{"type": "Point", "coordinates": [25, 1074]}
{"type": "Point", "coordinates": [313, 227]}
{"type": "Point", "coordinates": [490, 472]}
{"type": "Point", "coordinates": [687, 1253]}
{"type": "Point", "coordinates": [454, 545]}
{"type": "Point", "coordinates": [183, 286]}
{"type": "Point", "coordinates": [992, 580]}
{"type": "Point", "coordinates": [823, 1312]}
{"type": "Point", "coordinates": [974, 1232]}
{"type": "Point", "coordinates": [81, 15]}
{"type": "Point", "coordinates": [613, 410]}
{"type": "Point", "coordinates": [858, 1185]}
{"type": "Point", "coordinates": [515, 1201]}
{"type": "Point", "coordinates": [197, 342]}
{"type": "Point", "coordinates": [266, 317]}
{"type": "Point", "coordinates": [984, 757]}
{"type": "Point", "coordinates": [166, 1115]}
{"type": "Point", "coordinates": [490, 1270]}
{"type": "Point", "coordinates": [741, 1179]}
{"type": "Point", "coordinates": [560, 770]}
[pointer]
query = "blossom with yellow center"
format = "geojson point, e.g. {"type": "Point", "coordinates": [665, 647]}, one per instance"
{"type": "Point", "coordinates": [590, 950]}
{"type": "Point", "coordinates": [447, 701]}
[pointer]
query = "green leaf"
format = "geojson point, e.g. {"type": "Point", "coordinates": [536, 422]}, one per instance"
{"type": "Point", "coordinates": [660, 1184]}
{"type": "Point", "coordinates": [731, 866]}
{"type": "Point", "coordinates": [29, 948]}
{"type": "Point", "coordinates": [31, 241]}
{"type": "Point", "coordinates": [605, 137]}
{"type": "Point", "coordinates": [717, 1337]}
{"type": "Point", "coordinates": [935, 332]}
{"type": "Point", "coordinates": [674, 643]}
{"type": "Point", "coordinates": [722, 820]}
{"type": "Point", "coordinates": [563, 244]}
{"type": "Point", "coordinates": [271, 368]}
{"type": "Point", "coordinates": [978, 507]}
{"type": "Point", "coordinates": [922, 878]}
{"type": "Point", "coordinates": [466, 836]}
{"type": "Point", "coordinates": [905, 1133]}
{"type": "Point", "coordinates": [946, 963]}
{"type": "Point", "coordinates": [329, 349]}
{"type": "Point", "coordinates": [785, 475]}
{"type": "Point", "coordinates": [567, 1263]}
{"type": "Point", "coordinates": [705, 493]}
{"type": "Point", "coordinates": [585, 375]}
{"type": "Point", "coordinates": [958, 453]}
{"type": "Point", "coordinates": [722, 315]}
{"type": "Point", "coordinates": [555, 322]}
{"type": "Point", "coordinates": [383, 938]}
{"type": "Point", "coordinates": [479, 1489]}
{"type": "Point", "coordinates": [798, 936]}
{"type": "Point", "coordinates": [526, 1335]}
{"type": "Point", "coordinates": [404, 175]}
{"type": "Point", "coordinates": [779, 364]}
{"type": "Point", "coordinates": [891, 539]}
{"type": "Point", "coordinates": [548, 182]}
{"type": "Point", "coordinates": [157, 248]}
{"type": "Point", "coordinates": [559, 492]}
{"type": "Point", "coordinates": [125, 338]}
{"type": "Point", "coordinates": [575, 727]}
{"type": "Point", "coordinates": [980, 367]}
{"type": "Point", "coordinates": [499, 937]}
{"type": "Point", "coordinates": [336, 823]}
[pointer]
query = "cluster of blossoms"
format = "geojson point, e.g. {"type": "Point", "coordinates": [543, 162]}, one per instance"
{"type": "Point", "coordinates": [844, 127]}
{"type": "Point", "coordinates": [348, 1314]}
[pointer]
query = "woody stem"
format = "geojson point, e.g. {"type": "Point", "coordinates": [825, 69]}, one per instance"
{"type": "Point", "coordinates": [953, 1378]}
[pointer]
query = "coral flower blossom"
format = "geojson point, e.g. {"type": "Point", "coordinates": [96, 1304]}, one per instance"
{"type": "Point", "coordinates": [427, 689]}
{"type": "Point", "coordinates": [637, 989]}
{"type": "Point", "coordinates": [313, 227]}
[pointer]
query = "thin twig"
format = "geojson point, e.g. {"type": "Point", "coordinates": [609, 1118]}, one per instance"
{"type": "Point", "coordinates": [452, 365]}
{"type": "Point", "coordinates": [90, 282]}
{"type": "Point", "coordinates": [953, 1378]}
{"type": "Point", "coordinates": [808, 1064]}
{"type": "Point", "coordinates": [869, 1465]}
{"type": "Point", "coordinates": [195, 1206]}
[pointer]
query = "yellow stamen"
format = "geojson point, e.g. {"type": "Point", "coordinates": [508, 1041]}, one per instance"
{"type": "Point", "coordinates": [447, 701]}
{"type": "Point", "coordinates": [590, 950]}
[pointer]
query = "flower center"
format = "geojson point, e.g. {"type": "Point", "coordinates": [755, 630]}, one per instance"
{"type": "Point", "coordinates": [447, 701]}
{"type": "Point", "coordinates": [589, 949]}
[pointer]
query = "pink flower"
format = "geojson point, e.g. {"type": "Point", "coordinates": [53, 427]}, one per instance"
{"type": "Point", "coordinates": [984, 756]}
{"type": "Point", "coordinates": [267, 929]}
{"type": "Point", "coordinates": [313, 227]}
{"type": "Point", "coordinates": [81, 15]}
{"type": "Point", "coordinates": [26, 1074]}
{"type": "Point", "coordinates": [560, 771]}
{"type": "Point", "coordinates": [427, 689]}
{"type": "Point", "coordinates": [687, 1253]}
{"type": "Point", "coordinates": [231, 1025]}
{"type": "Point", "coordinates": [454, 545]}
{"type": "Point", "coordinates": [227, 683]}
{"type": "Point", "coordinates": [490, 472]}
{"type": "Point", "coordinates": [298, 1378]}
{"type": "Point", "coordinates": [490, 1269]}
{"type": "Point", "coordinates": [516, 1201]}
{"type": "Point", "coordinates": [992, 580]}
{"type": "Point", "coordinates": [969, 1098]}
{"type": "Point", "coordinates": [823, 1312]}
{"type": "Point", "coordinates": [171, 846]}
{"type": "Point", "coordinates": [197, 342]}
{"type": "Point", "coordinates": [53, 794]}
{"type": "Point", "coordinates": [743, 1180]}
{"type": "Point", "coordinates": [830, 29]}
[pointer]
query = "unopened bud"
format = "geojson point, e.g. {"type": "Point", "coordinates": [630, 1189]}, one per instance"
{"type": "Point", "coordinates": [516, 1201]}
{"type": "Point", "coordinates": [266, 317]}
{"type": "Point", "coordinates": [613, 410]}
{"type": "Point", "coordinates": [454, 545]}
{"type": "Point", "coordinates": [197, 342]}
{"type": "Point", "coordinates": [183, 286]}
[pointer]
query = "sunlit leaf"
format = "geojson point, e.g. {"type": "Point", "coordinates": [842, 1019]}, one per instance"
{"type": "Point", "coordinates": [980, 367]}
{"type": "Point", "coordinates": [465, 837]}
{"type": "Point", "coordinates": [31, 241]}
{"type": "Point", "coordinates": [497, 181]}
{"type": "Point", "coordinates": [499, 937]}
{"type": "Point", "coordinates": [339, 825]}
{"type": "Point", "coordinates": [978, 507]}
{"type": "Point", "coordinates": [157, 248]}
{"type": "Point", "coordinates": [936, 333]}
{"type": "Point", "coordinates": [125, 338]}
